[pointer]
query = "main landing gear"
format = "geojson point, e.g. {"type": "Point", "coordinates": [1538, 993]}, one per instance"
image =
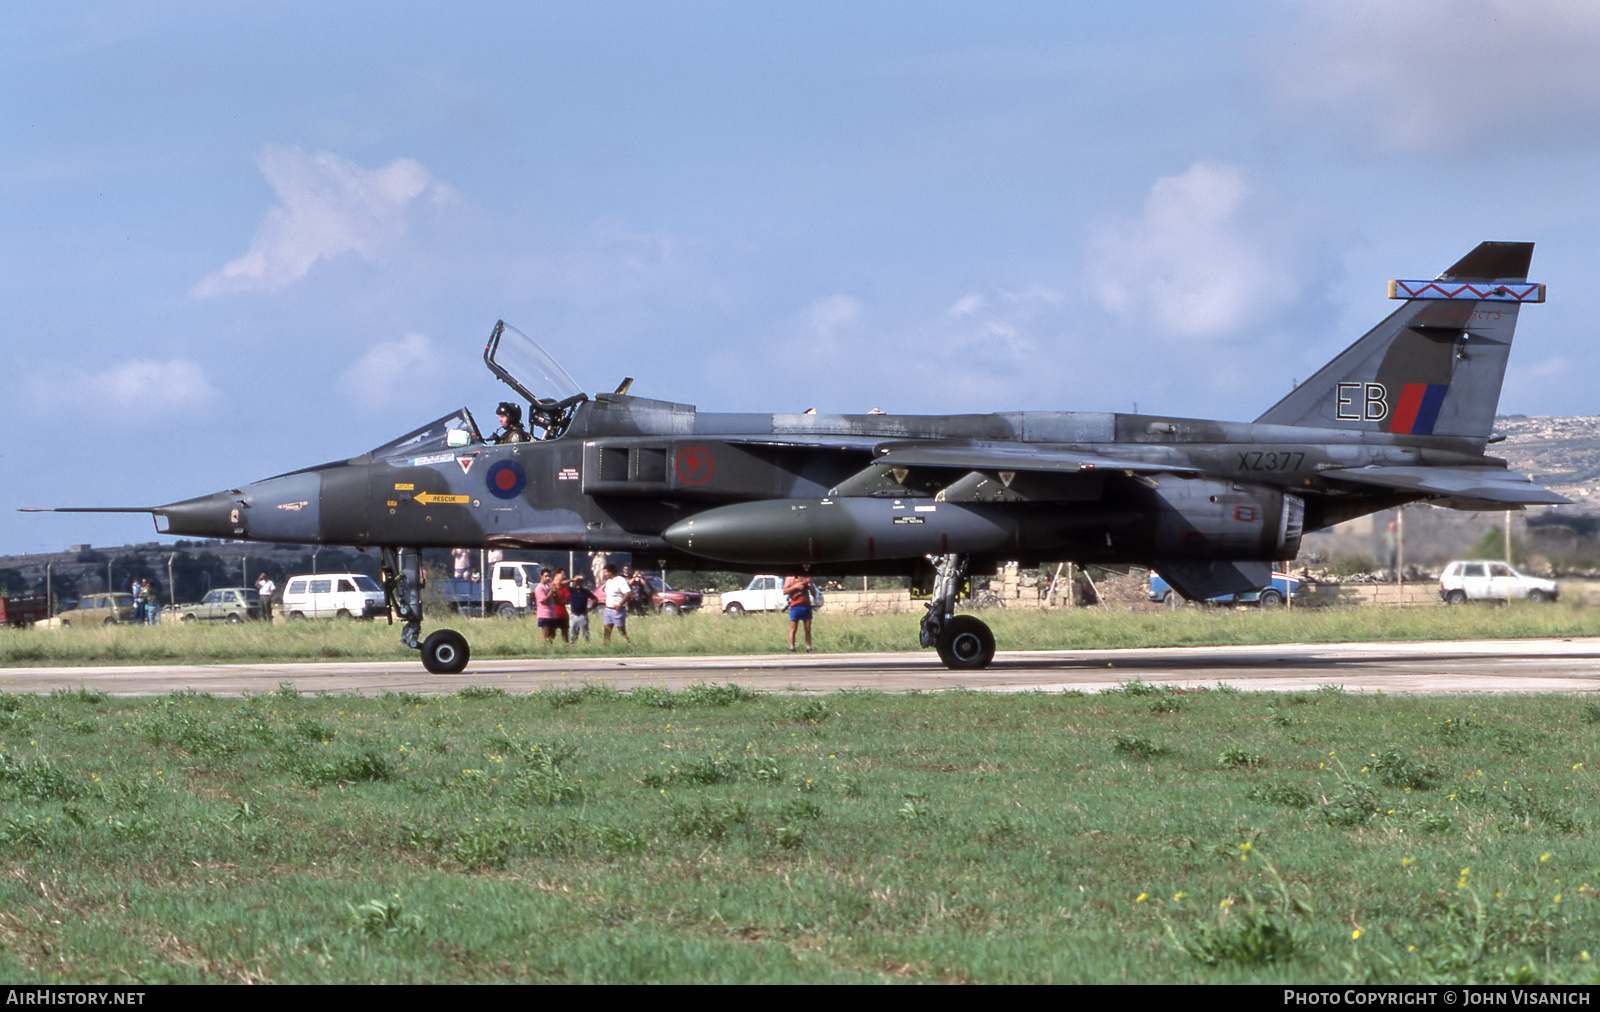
{"type": "Point", "coordinates": [963, 642]}
{"type": "Point", "coordinates": [443, 653]}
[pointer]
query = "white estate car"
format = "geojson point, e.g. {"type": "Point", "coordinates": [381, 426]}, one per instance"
{"type": "Point", "coordinates": [1481, 580]}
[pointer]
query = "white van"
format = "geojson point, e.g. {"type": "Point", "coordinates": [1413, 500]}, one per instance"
{"type": "Point", "coordinates": [332, 595]}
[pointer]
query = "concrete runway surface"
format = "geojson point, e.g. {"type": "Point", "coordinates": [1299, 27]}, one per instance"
{"type": "Point", "coordinates": [1534, 665]}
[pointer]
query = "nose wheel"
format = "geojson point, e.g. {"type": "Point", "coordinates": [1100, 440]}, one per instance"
{"type": "Point", "coordinates": [444, 652]}
{"type": "Point", "coordinates": [964, 643]}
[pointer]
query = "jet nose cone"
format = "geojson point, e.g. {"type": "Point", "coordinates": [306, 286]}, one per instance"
{"type": "Point", "coordinates": [218, 515]}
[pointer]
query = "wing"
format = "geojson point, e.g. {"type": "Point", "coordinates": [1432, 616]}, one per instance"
{"type": "Point", "coordinates": [1492, 487]}
{"type": "Point", "coordinates": [1013, 457]}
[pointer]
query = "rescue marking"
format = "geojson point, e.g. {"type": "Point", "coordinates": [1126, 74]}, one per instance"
{"type": "Point", "coordinates": [693, 465]}
{"type": "Point", "coordinates": [430, 498]}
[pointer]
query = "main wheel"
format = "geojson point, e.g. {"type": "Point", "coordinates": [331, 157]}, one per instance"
{"type": "Point", "coordinates": [1456, 597]}
{"type": "Point", "coordinates": [445, 652]}
{"type": "Point", "coordinates": [1270, 599]}
{"type": "Point", "coordinates": [967, 644]}
{"type": "Point", "coordinates": [734, 609]}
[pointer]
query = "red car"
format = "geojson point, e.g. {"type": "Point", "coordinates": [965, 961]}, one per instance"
{"type": "Point", "coordinates": [667, 601]}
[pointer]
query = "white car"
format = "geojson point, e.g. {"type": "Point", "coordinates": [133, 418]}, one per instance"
{"type": "Point", "coordinates": [332, 595]}
{"type": "Point", "coordinates": [1481, 580]}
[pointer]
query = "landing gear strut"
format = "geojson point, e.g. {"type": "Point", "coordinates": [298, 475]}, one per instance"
{"type": "Point", "coordinates": [443, 653]}
{"type": "Point", "coordinates": [963, 642]}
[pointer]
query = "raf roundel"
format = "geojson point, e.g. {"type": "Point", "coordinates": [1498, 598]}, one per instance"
{"type": "Point", "coordinates": [506, 479]}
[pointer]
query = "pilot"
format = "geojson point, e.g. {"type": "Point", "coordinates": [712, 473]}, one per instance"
{"type": "Point", "coordinates": [511, 430]}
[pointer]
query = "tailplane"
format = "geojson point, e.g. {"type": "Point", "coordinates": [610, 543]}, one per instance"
{"type": "Point", "coordinates": [1435, 366]}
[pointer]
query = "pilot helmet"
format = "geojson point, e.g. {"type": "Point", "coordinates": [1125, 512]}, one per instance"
{"type": "Point", "coordinates": [512, 412]}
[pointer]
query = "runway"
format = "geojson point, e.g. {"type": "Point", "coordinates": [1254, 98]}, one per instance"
{"type": "Point", "coordinates": [1460, 666]}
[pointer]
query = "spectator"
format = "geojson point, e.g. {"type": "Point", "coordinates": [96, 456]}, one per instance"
{"type": "Point", "coordinates": [799, 591]}
{"type": "Point", "coordinates": [617, 592]}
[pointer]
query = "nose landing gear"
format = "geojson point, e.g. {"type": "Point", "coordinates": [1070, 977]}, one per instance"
{"type": "Point", "coordinates": [964, 642]}
{"type": "Point", "coordinates": [444, 652]}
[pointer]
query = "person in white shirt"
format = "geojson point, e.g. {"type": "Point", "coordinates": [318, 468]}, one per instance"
{"type": "Point", "coordinates": [266, 588]}
{"type": "Point", "coordinates": [617, 592]}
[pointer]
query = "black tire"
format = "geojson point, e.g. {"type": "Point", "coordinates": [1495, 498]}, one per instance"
{"type": "Point", "coordinates": [65, 624]}
{"type": "Point", "coordinates": [1270, 599]}
{"type": "Point", "coordinates": [236, 619]}
{"type": "Point", "coordinates": [1538, 597]}
{"type": "Point", "coordinates": [734, 610]}
{"type": "Point", "coordinates": [506, 610]}
{"type": "Point", "coordinates": [297, 616]}
{"type": "Point", "coordinates": [445, 652]}
{"type": "Point", "coordinates": [188, 618]}
{"type": "Point", "coordinates": [1456, 597]}
{"type": "Point", "coordinates": [1174, 600]}
{"type": "Point", "coordinates": [966, 645]}
{"type": "Point", "coordinates": [670, 609]}
{"type": "Point", "coordinates": [109, 621]}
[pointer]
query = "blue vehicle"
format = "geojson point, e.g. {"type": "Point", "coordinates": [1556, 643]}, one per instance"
{"type": "Point", "coordinates": [1282, 588]}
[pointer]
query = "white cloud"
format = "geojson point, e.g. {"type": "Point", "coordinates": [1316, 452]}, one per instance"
{"type": "Point", "coordinates": [1198, 262]}
{"type": "Point", "coordinates": [328, 206]}
{"type": "Point", "coordinates": [1431, 75]}
{"type": "Point", "coordinates": [130, 391]}
{"type": "Point", "coordinates": [390, 370]}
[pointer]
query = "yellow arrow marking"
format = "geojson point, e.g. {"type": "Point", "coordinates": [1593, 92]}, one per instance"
{"type": "Point", "coordinates": [429, 498]}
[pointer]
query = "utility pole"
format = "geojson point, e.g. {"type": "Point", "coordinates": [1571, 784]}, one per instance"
{"type": "Point", "coordinates": [1508, 537]}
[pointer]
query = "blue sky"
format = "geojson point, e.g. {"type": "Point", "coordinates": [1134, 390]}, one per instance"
{"type": "Point", "coordinates": [240, 238]}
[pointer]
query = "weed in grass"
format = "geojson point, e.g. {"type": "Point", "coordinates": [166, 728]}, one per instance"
{"type": "Point", "coordinates": [27, 832]}
{"type": "Point", "coordinates": [557, 698]}
{"type": "Point", "coordinates": [1512, 743]}
{"type": "Point", "coordinates": [1237, 756]}
{"type": "Point", "coordinates": [1281, 720]}
{"type": "Point", "coordinates": [1355, 805]}
{"type": "Point", "coordinates": [1590, 714]}
{"type": "Point", "coordinates": [1394, 769]}
{"type": "Point", "coordinates": [1287, 795]}
{"type": "Point", "coordinates": [381, 918]}
{"type": "Point", "coordinates": [1526, 809]}
{"type": "Point", "coordinates": [1331, 690]}
{"type": "Point", "coordinates": [319, 766]}
{"type": "Point", "coordinates": [999, 829]}
{"type": "Point", "coordinates": [710, 818]}
{"type": "Point", "coordinates": [79, 695]}
{"type": "Point", "coordinates": [37, 779]}
{"type": "Point", "coordinates": [286, 690]}
{"type": "Point", "coordinates": [807, 711]}
{"type": "Point", "coordinates": [653, 695]}
{"type": "Point", "coordinates": [480, 692]}
{"type": "Point", "coordinates": [1143, 748]}
{"type": "Point", "coordinates": [704, 694]}
{"type": "Point", "coordinates": [620, 841]}
{"type": "Point", "coordinates": [543, 784]}
{"type": "Point", "coordinates": [1454, 730]}
{"type": "Point", "coordinates": [1429, 821]}
{"type": "Point", "coordinates": [796, 809]}
{"type": "Point", "coordinates": [916, 810]}
{"type": "Point", "coordinates": [848, 785]}
{"type": "Point", "coordinates": [402, 698]}
{"type": "Point", "coordinates": [788, 836]}
{"type": "Point", "coordinates": [1251, 936]}
{"type": "Point", "coordinates": [313, 730]}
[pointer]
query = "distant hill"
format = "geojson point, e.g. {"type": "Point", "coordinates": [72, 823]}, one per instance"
{"type": "Point", "coordinates": [1560, 453]}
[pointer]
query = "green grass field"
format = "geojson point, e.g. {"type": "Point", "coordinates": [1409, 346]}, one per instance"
{"type": "Point", "coordinates": [1145, 835]}
{"type": "Point", "coordinates": [835, 632]}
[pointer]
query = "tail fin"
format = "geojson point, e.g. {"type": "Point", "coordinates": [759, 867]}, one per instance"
{"type": "Point", "coordinates": [1435, 366]}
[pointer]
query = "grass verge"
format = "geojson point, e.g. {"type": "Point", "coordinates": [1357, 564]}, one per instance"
{"type": "Point", "coordinates": [835, 632]}
{"type": "Point", "coordinates": [1148, 834]}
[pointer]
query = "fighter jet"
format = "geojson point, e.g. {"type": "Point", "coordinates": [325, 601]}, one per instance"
{"type": "Point", "coordinates": [1402, 415]}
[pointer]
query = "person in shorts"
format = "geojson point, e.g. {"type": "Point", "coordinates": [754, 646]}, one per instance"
{"type": "Point", "coordinates": [581, 601]}
{"type": "Point", "coordinates": [545, 603]}
{"type": "Point", "coordinates": [798, 590]}
{"type": "Point", "coordinates": [616, 592]}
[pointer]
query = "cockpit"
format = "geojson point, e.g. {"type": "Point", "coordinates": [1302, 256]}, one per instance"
{"type": "Point", "coordinates": [516, 360]}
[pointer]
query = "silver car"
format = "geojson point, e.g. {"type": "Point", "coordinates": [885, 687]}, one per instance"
{"type": "Point", "coordinates": [1482, 580]}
